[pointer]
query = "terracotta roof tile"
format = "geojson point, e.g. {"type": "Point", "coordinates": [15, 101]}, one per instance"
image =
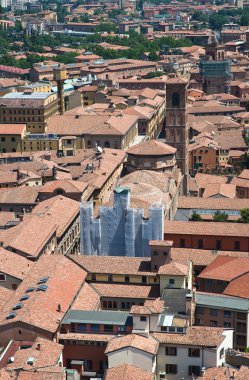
{"type": "Point", "coordinates": [65, 184]}
{"type": "Point", "coordinates": [86, 337]}
{"type": "Point", "coordinates": [12, 129]}
{"type": "Point", "coordinates": [195, 336]}
{"type": "Point", "coordinates": [47, 355]}
{"type": "Point", "coordinates": [204, 179]}
{"type": "Point", "coordinates": [213, 204]}
{"type": "Point", "coordinates": [226, 190]}
{"type": "Point", "coordinates": [114, 265]}
{"type": "Point", "coordinates": [147, 344]}
{"type": "Point", "coordinates": [24, 195]}
{"type": "Point", "coordinates": [150, 307]}
{"type": "Point", "coordinates": [174, 269]}
{"type": "Point", "coordinates": [152, 148]}
{"type": "Point", "coordinates": [59, 211]}
{"type": "Point", "coordinates": [41, 309]}
{"type": "Point", "coordinates": [87, 298]}
{"type": "Point", "coordinates": [238, 287]}
{"type": "Point", "coordinates": [126, 371]}
{"type": "Point", "coordinates": [201, 257]}
{"type": "Point", "coordinates": [124, 290]}
{"type": "Point", "coordinates": [14, 265]}
{"type": "Point", "coordinates": [5, 295]}
{"type": "Point", "coordinates": [206, 228]}
{"type": "Point", "coordinates": [226, 268]}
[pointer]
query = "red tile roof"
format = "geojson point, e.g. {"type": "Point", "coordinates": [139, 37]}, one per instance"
{"type": "Point", "coordinates": [127, 372]}
{"type": "Point", "coordinates": [147, 344]}
{"type": "Point", "coordinates": [226, 268]}
{"type": "Point", "coordinates": [12, 129]}
{"type": "Point", "coordinates": [194, 336]}
{"type": "Point", "coordinates": [174, 269]}
{"type": "Point", "coordinates": [152, 148]}
{"type": "Point", "coordinates": [206, 228]}
{"type": "Point", "coordinates": [41, 309]}
{"type": "Point", "coordinates": [238, 287]}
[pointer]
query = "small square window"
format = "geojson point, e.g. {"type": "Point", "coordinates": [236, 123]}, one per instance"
{"type": "Point", "coordinates": [143, 318]}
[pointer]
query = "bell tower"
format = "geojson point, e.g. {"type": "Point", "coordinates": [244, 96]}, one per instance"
{"type": "Point", "coordinates": [176, 123]}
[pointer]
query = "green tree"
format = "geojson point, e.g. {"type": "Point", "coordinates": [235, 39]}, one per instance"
{"type": "Point", "coordinates": [217, 20]}
{"type": "Point", "coordinates": [153, 56]}
{"type": "Point", "coordinates": [195, 217]}
{"type": "Point", "coordinates": [244, 215]}
{"type": "Point", "coordinates": [244, 21]}
{"type": "Point", "coordinates": [220, 216]}
{"type": "Point", "coordinates": [244, 164]}
{"type": "Point", "coordinates": [199, 16]}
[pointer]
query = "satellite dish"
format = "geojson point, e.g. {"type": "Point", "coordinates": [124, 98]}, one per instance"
{"type": "Point", "coordinates": [99, 149]}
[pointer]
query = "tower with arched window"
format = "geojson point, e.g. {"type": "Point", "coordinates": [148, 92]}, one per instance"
{"type": "Point", "coordinates": [176, 122]}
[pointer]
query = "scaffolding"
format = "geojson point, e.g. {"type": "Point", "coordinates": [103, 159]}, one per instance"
{"type": "Point", "coordinates": [120, 230]}
{"type": "Point", "coordinates": [215, 69]}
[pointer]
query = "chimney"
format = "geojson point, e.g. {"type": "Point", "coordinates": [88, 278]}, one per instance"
{"type": "Point", "coordinates": [38, 347]}
{"type": "Point", "coordinates": [59, 307]}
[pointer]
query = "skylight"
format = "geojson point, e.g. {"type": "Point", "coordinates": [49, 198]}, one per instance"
{"type": "Point", "coordinates": [31, 289]}
{"type": "Point", "coordinates": [42, 288]}
{"type": "Point", "coordinates": [24, 298]}
{"type": "Point", "coordinates": [18, 306]}
{"type": "Point", "coordinates": [11, 315]}
{"type": "Point", "coordinates": [43, 280]}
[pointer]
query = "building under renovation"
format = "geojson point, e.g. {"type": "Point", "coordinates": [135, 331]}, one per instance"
{"type": "Point", "coordinates": [120, 230]}
{"type": "Point", "coordinates": [215, 69]}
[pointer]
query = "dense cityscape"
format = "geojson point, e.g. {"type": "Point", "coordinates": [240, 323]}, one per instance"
{"type": "Point", "coordinates": [124, 190]}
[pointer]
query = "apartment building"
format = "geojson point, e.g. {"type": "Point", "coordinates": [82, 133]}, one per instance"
{"type": "Point", "coordinates": [203, 235]}
{"type": "Point", "coordinates": [117, 132]}
{"type": "Point", "coordinates": [31, 108]}
{"type": "Point", "coordinates": [224, 311]}
{"type": "Point", "coordinates": [56, 219]}
{"type": "Point", "coordinates": [202, 152]}
{"type": "Point", "coordinates": [207, 207]}
{"type": "Point", "coordinates": [184, 355]}
{"type": "Point", "coordinates": [115, 69]}
{"type": "Point", "coordinates": [11, 136]}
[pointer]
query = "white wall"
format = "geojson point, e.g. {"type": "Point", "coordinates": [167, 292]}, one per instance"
{"type": "Point", "coordinates": [131, 356]}
{"type": "Point", "coordinates": [208, 358]}
{"type": "Point", "coordinates": [227, 343]}
{"type": "Point", "coordinates": [179, 282]}
{"type": "Point", "coordinates": [141, 325]}
{"type": "Point", "coordinates": [151, 323]}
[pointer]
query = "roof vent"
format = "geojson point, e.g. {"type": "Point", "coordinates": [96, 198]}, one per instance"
{"type": "Point", "coordinates": [11, 359]}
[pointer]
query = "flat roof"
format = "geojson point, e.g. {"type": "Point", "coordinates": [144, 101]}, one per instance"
{"type": "Point", "coordinates": [96, 317]}
{"type": "Point", "coordinates": [221, 301]}
{"type": "Point", "coordinates": [33, 95]}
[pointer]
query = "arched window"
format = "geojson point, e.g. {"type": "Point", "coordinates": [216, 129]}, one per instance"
{"type": "Point", "coordinates": [60, 192]}
{"type": "Point", "coordinates": [175, 100]}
